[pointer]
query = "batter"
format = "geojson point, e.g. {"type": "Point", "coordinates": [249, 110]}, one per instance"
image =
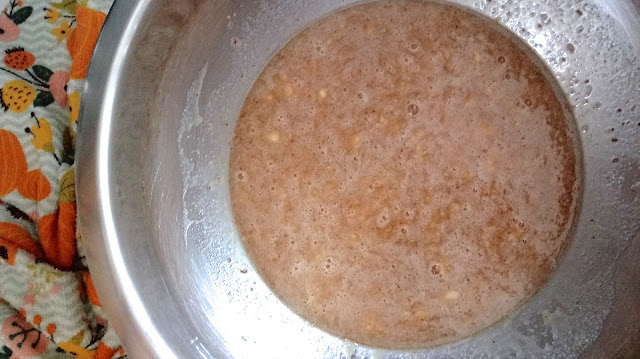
{"type": "Point", "coordinates": [403, 175]}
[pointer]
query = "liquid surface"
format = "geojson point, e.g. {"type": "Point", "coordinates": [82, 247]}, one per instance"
{"type": "Point", "coordinates": [403, 175]}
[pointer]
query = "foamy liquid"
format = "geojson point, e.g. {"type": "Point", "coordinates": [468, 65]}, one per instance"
{"type": "Point", "coordinates": [402, 174]}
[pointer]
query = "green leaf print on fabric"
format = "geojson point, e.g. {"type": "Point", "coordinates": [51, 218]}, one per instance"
{"type": "Point", "coordinates": [44, 98]}
{"type": "Point", "coordinates": [42, 72]}
{"type": "Point", "coordinates": [5, 352]}
{"type": "Point", "coordinates": [21, 15]}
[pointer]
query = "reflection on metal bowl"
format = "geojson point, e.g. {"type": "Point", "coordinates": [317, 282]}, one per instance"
{"type": "Point", "coordinates": [162, 98]}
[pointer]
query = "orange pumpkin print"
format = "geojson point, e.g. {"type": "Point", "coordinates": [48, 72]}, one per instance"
{"type": "Point", "coordinates": [20, 238]}
{"type": "Point", "coordinates": [57, 236]}
{"type": "Point", "coordinates": [13, 164]}
{"type": "Point", "coordinates": [83, 40]}
{"type": "Point", "coordinates": [34, 186]}
{"type": "Point", "coordinates": [13, 171]}
{"type": "Point", "coordinates": [92, 294]}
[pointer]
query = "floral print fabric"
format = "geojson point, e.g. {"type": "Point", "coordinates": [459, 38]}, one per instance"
{"type": "Point", "coordinates": [48, 304]}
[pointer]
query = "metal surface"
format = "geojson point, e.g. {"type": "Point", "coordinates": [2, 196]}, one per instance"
{"type": "Point", "coordinates": [163, 93]}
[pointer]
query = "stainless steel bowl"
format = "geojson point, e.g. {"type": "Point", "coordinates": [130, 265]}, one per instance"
{"type": "Point", "coordinates": [164, 90]}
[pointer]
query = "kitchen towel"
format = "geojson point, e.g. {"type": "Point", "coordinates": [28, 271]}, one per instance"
{"type": "Point", "coordinates": [48, 304]}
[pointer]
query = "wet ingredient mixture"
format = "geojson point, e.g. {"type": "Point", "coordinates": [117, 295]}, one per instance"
{"type": "Point", "coordinates": [403, 175]}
